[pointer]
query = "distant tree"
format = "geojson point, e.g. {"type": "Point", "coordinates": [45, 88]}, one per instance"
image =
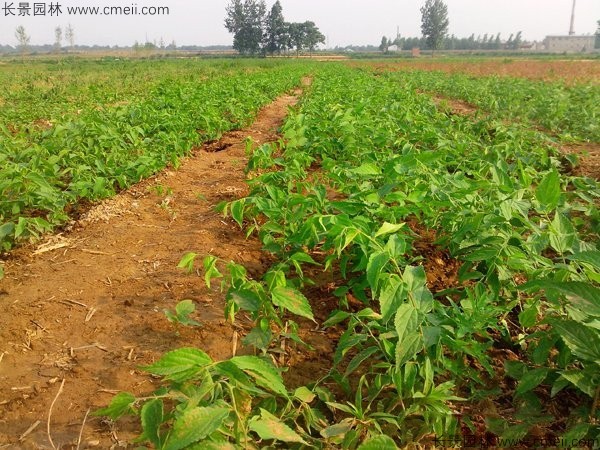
{"type": "Point", "coordinates": [70, 36]}
{"type": "Point", "coordinates": [516, 44]}
{"type": "Point", "coordinates": [312, 36]}
{"type": "Point", "coordinates": [275, 30]}
{"type": "Point", "coordinates": [509, 42]}
{"type": "Point", "coordinates": [22, 38]}
{"type": "Point", "coordinates": [384, 44]}
{"type": "Point", "coordinates": [58, 38]}
{"type": "Point", "coordinates": [296, 32]}
{"type": "Point", "coordinates": [245, 19]}
{"type": "Point", "coordinates": [434, 23]}
{"type": "Point", "coordinates": [598, 36]}
{"type": "Point", "coordinates": [497, 42]}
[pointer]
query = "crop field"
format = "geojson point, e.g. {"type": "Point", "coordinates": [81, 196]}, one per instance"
{"type": "Point", "coordinates": [297, 254]}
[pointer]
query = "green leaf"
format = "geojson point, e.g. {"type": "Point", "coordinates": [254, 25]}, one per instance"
{"type": "Point", "coordinates": [531, 380]}
{"type": "Point", "coordinates": [406, 321]}
{"type": "Point", "coordinates": [180, 365]}
{"type": "Point", "coordinates": [408, 348]}
{"type": "Point", "coordinates": [578, 433]}
{"type": "Point", "coordinates": [416, 282]}
{"type": "Point", "coordinates": [581, 340]}
{"type": "Point", "coordinates": [304, 394]}
{"type": "Point", "coordinates": [582, 379]}
{"type": "Point", "coordinates": [184, 308]}
{"type": "Point", "coordinates": [367, 169]}
{"type": "Point", "coordinates": [245, 298]}
{"type": "Point", "coordinates": [193, 425]}
{"type": "Point", "coordinates": [263, 372]}
{"type": "Point", "coordinates": [590, 257]}
{"type": "Point", "coordinates": [121, 404]}
{"type": "Point", "coordinates": [548, 191]}
{"type": "Point", "coordinates": [379, 443]}
{"type": "Point", "coordinates": [152, 417]}
{"type": "Point", "coordinates": [210, 270]}
{"type": "Point", "coordinates": [388, 228]}
{"type": "Point", "coordinates": [187, 262]}
{"type": "Point", "coordinates": [269, 427]}
{"type": "Point", "coordinates": [377, 262]}
{"type": "Point", "coordinates": [6, 230]}
{"type": "Point", "coordinates": [393, 293]}
{"type": "Point", "coordinates": [292, 300]}
{"type": "Point", "coordinates": [337, 429]}
{"type": "Point", "coordinates": [237, 211]}
{"type": "Point", "coordinates": [359, 358]}
{"type": "Point", "coordinates": [563, 234]}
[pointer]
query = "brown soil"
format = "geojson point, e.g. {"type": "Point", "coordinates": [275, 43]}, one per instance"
{"type": "Point", "coordinates": [87, 305]}
{"type": "Point", "coordinates": [576, 71]}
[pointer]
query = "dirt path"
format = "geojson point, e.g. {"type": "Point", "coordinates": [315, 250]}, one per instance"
{"type": "Point", "coordinates": [87, 306]}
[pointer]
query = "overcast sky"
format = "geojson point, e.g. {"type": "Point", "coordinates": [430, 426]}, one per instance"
{"type": "Point", "coordinates": [344, 22]}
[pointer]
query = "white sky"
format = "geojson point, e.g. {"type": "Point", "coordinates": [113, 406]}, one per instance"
{"type": "Point", "coordinates": [342, 21]}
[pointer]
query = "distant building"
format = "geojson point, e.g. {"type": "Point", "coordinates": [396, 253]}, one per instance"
{"type": "Point", "coordinates": [569, 44]}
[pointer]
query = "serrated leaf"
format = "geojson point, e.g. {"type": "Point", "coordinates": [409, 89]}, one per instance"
{"type": "Point", "coordinates": [377, 262]}
{"type": "Point", "coordinates": [408, 348]}
{"type": "Point", "coordinates": [359, 358]}
{"type": "Point", "coordinates": [187, 262]}
{"type": "Point", "coordinates": [121, 404]}
{"type": "Point", "coordinates": [303, 257]}
{"type": "Point", "coordinates": [379, 443]}
{"type": "Point", "coordinates": [563, 234]}
{"type": "Point", "coordinates": [181, 364]}
{"type": "Point", "coordinates": [337, 429]}
{"type": "Point", "coordinates": [393, 293]}
{"type": "Point", "coordinates": [590, 257]}
{"type": "Point", "coordinates": [581, 340]}
{"type": "Point", "coordinates": [193, 425]}
{"type": "Point", "coordinates": [531, 380]}
{"type": "Point", "coordinates": [237, 211]}
{"type": "Point", "coordinates": [184, 308]}
{"type": "Point", "coordinates": [304, 394]}
{"type": "Point", "coordinates": [270, 427]}
{"type": "Point", "coordinates": [406, 320]}
{"type": "Point", "coordinates": [366, 169]}
{"type": "Point", "coordinates": [246, 299]}
{"type": "Point", "coordinates": [152, 417]}
{"type": "Point", "coordinates": [583, 380]}
{"type": "Point", "coordinates": [293, 301]}
{"type": "Point", "coordinates": [388, 228]}
{"type": "Point", "coordinates": [264, 373]}
{"type": "Point", "coordinates": [416, 283]}
{"type": "Point", "coordinates": [548, 191]}
{"type": "Point", "coordinates": [577, 433]}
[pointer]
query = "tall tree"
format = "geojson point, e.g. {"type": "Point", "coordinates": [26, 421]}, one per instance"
{"type": "Point", "coordinates": [312, 36]}
{"type": "Point", "coordinates": [518, 41]}
{"type": "Point", "coordinates": [384, 44]}
{"type": "Point", "coordinates": [434, 23]}
{"type": "Point", "coordinates": [58, 38]}
{"type": "Point", "coordinates": [275, 30]}
{"type": "Point", "coordinates": [245, 19]}
{"type": "Point", "coordinates": [70, 36]}
{"type": "Point", "coordinates": [598, 36]}
{"type": "Point", "coordinates": [22, 38]}
{"type": "Point", "coordinates": [296, 31]}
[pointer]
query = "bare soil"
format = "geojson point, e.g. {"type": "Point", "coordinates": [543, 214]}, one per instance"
{"type": "Point", "coordinates": [86, 306]}
{"type": "Point", "coordinates": [569, 71]}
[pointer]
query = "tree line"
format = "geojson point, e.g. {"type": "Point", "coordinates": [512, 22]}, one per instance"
{"type": "Point", "coordinates": [485, 42]}
{"type": "Point", "coordinates": [256, 31]}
